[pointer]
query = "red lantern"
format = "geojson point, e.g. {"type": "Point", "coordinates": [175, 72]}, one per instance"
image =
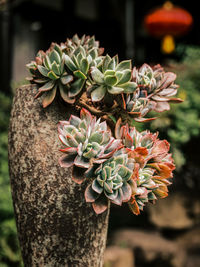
{"type": "Point", "coordinates": [168, 22]}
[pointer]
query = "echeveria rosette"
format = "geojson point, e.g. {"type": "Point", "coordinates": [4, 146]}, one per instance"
{"type": "Point", "coordinates": [111, 182]}
{"type": "Point", "coordinates": [89, 44]}
{"type": "Point", "coordinates": [157, 85]}
{"type": "Point", "coordinates": [111, 78]}
{"type": "Point", "coordinates": [153, 165]}
{"type": "Point", "coordinates": [138, 144]}
{"type": "Point", "coordinates": [137, 106]}
{"type": "Point", "coordinates": [81, 55]}
{"type": "Point", "coordinates": [142, 187]}
{"type": "Point", "coordinates": [155, 89]}
{"type": "Point", "coordinates": [87, 142]}
{"type": "Point", "coordinates": [49, 72]}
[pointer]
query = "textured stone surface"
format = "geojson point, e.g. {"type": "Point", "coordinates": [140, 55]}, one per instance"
{"type": "Point", "coordinates": [55, 225]}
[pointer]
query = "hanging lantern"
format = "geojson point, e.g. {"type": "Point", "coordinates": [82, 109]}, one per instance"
{"type": "Point", "coordinates": [167, 22]}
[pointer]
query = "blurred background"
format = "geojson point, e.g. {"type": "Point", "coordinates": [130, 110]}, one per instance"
{"type": "Point", "coordinates": [165, 234]}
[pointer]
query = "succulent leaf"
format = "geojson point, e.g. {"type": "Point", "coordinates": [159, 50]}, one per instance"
{"type": "Point", "coordinates": [49, 97]}
{"type": "Point", "coordinates": [98, 94]}
{"type": "Point", "coordinates": [43, 70]}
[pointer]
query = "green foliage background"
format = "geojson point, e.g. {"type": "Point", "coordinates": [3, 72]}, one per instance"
{"type": "Point", "coordinates": [9, 248]}
{"type": "Point", "coordinates": [179, 126]}
{"type": "Point", "coordinates": [182, 123]}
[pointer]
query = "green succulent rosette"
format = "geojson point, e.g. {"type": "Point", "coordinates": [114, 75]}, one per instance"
{"type": "Point", "coordinates": [49, 72]}
{"type": "Point", "coordinates": [111, 78]}
{"type": "Point", "coordinates": [89, 44]}
{"type": "Point", "coordinates": [81, 55]}
{"type": "Point", "coordinates": [111, 182]}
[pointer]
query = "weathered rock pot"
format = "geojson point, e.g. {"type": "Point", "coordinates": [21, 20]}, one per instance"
{"type": "Point", "coordinates": [56, 227]}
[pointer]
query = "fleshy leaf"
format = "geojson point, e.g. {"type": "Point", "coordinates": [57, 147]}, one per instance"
{"type": "Point", "coordinates": [100, 205]}
{"type": "Point", "coordinates": [64, 92]}
{"type": "Point", "coordinates": [125, 77]}
{"type": "Point", "coordinates": [126, 189]}
{"type": "Point", "coordinates": [54, 56]}
{"type": "Point", "coordinates": [123, 65]}
{"type": "Point", "coordinates": [49, 97]}
{"type": "Point", "coordinates": [97, 76]}
{"type": "Point", "coordinates": [129, 87]}
{"type": "Point", "coordinates": [90, 194]}
{"type": "Point", "coordinates": [76, 87]}
{"type": "Point", "coordinates": [98, 93]}
{"type": "Point", "coordinates": [70, 64]}
{"type": "Point", "coordinates": [55, 68]}
{"type": "Point", "coordinates": [79, 74]}
{"type": "Point", "coordinates": [43, 70]}
{"type": "Point", "coordinates": [52, 75]}
{"type": "Point", "coordinates": [66, 79]}
{"type": "Point", "coordinates": [78, 175]}
{"type": "Point", "coordinates": [96, 187]}
{"type": "Point", "coordinates": [115, 90]}
{"type": "Point", "coordinates": [67, 160]}
{"type": "Point", "coordinates": [111, 80]}
{"type": "Point", "coordinates": [84, 66]}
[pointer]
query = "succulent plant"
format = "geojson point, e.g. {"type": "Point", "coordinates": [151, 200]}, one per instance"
{"type": "Point", "coordinates": [156, 85]}
{"type": "Point", "coordinates": [111, 78]}
{"type": "Point", "coordinates": [111, 182]}
{"type": "Point", "coordinates": [89, 44]}
{"type": "Point", "coordinates": [153, 165]}
{"type": "Point", "coordinates": [48, 71]}
{"type": "Point", "coordinates": [88, 141]}
{"type": "Point", "coordinates": [142, 187]}
{"type": "Point", "coordinates": [154, 90]}
{"type": "Point", "coordinates": [136, 106]}
{"type": "Point", "coordinates": [81, 55]}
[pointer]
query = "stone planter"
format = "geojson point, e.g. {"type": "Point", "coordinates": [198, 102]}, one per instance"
{"type": "Point", "coordinates": [55, 225]}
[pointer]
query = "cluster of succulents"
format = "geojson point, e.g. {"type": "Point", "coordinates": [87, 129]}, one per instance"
{"type": "Point", "coordinates": [133, 167]}
{"type": "Point", "coordinates": [79, 70]}
{"type": "Point", "coordinates": [119, 165]}
{"type": "Point", "coordinates": [154, 165]}
{"type": "Point", "coordinates": [64, 67]}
